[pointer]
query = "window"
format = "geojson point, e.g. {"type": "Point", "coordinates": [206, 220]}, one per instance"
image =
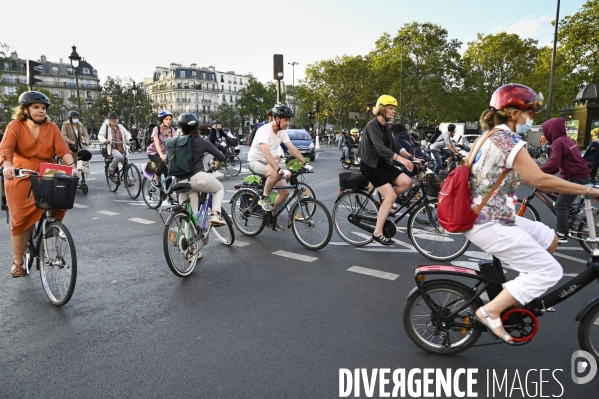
{"type": "Point", "coordinates": [231, 99]}
{"type": "Point", "coordinates": [10, 90]}
{"type": "Point", "coordinates": [222, 87]}
{"type": "Point", "coordinates": [229, 87]}
{"type": "Point", "coordinates": [88, 94]}
{"type": "Point", "coordinates": [222, 79]}
{"type": "Point", "coordinates": [240, 81]}
{"type": "Point", "coordinates": [179, 85]}
{"type": "Point", "coordinates": [55, 69]}
{"type": "Point", "coordinates": [73, 93]}
{"type": "Point", "coordinates": [58, 92]}
{"type": "Point", "coordinates": [86, 71]}
{"type": "Point", "coordinates": [70, 71]}
{"type": "Point", "coordinates": [182, 74]}
{"type": "Point", "coordinates": [6, 66]}
{"type": "Point", "coordinates": [72, 82]}
{"type": "Point", "coordinates": [193, 74]}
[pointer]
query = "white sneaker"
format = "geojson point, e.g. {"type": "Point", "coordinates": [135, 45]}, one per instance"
{"type": "Point", "coordinates": [216, 220]}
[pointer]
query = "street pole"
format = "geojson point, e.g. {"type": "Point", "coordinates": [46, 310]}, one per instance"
{"type": "Point", "coordinates": [293, 64]}
{"type": "Point", "coordinates": [134, 90]}
{"type": "Point", "coordinates": [401, 80]}
{"type": "Point", "coordinates": [75, 62]}
{"type": "Point", "coordinates": [549, 100]}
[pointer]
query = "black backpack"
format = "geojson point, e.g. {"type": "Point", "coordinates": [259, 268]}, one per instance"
{"type": "Point", "coordinates": [180, 155]}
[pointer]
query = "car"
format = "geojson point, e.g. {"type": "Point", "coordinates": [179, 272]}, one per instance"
{"type": "Point", "coordinates": [302, 140]}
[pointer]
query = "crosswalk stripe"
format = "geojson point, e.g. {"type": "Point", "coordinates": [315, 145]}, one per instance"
{"type": "Point", "coordinates": [570, 257]}
{"type": "Point", "coordinates": [240, 244]}
{"type": "Point", "coordinates": [291, 255]}
{"type": "Point", "coordinates": [80, 206]}
{"type": "Point", "coordinates": [374, 273]}
{"type": "Point", "coordinates": [142, 221]}
{"type": "Point", "coordinates": [108, 213]}
{"type": "Point", "coordinates": [384, 250]}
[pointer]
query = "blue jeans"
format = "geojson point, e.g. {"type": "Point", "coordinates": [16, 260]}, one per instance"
{"type": "Point", "coordinates": [354, 152]}
{"type": "Point", "coordinates": [438, 159]}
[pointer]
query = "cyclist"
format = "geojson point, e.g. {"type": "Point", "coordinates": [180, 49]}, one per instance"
{"type": "Point", "coordinates": [217, 136]}
{"type": "Point", "coordinates": [261, 157]}
{"type": "Point", "coordinates": [526, 245]}
{"type": "Point", "coordinates": [112, 132]}
{"type": "Point", "coordinates": [198, 179]}
{"type": "Point", "coordinates": [378, 150]}
{"type": "Point", "coordinates": [74, 133]}
{"type": "Point", "coordinates": [444, 145]}
{"type": "Point", "coordinates": [29, 140]}
{"type": "Point", "coordinates": [567, 159]}
{"type": "Point", "coordinates": [157, 151]}
{"type": "Point", "coordinates": [348, 143]}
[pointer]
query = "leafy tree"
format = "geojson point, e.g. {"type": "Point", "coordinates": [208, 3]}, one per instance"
{"type": "Point", "coordinates": [256, 99]}
{"type": "Point", "coordinates": [57, 111]}
{"type": "Point", "coordinates": [229, 116]}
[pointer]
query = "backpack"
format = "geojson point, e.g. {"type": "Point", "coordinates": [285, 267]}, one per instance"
{"type": "Point", "coordinates": [180, 155]}
{"type": "Point", "coordinates": [454, 205]}
{"type": "Point", "coordinates": [253, 133]}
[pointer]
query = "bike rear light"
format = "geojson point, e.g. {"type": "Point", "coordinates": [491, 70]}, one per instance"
{"type": "Point", "coordinates": [421, 278]}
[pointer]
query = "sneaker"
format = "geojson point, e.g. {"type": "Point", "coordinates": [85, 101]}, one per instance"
{"type": "Point", "coordinates": [561, 238]}
{"type": "Point", "coordinates": [110, 172]}
{"type": "Point", "coordinates": [278, 227]}
{"type": "Point", "coordinates": [264, 202]}
{"type": "Point", "coordinates": [156, 184]}
{"type": "Point", "coordinates": [216, 220]}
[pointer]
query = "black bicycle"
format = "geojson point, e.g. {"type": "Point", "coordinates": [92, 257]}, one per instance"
{"type": "Point", "coordinates": [129, 174]}
{"type": "Point", "coordinates": [439, 315]}
{"type": "Point", "coordinates": [232, 162]}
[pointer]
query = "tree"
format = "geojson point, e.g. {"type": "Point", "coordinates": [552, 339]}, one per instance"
{"type": "Point", "coordinates": [256, 99]}
{"type": "Point", "coordinates": [229, 116]}
{"type": "Point", "coordinates": [57, 111]}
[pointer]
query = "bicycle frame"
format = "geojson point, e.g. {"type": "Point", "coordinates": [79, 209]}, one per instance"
{"type": "Point", "coordinates": [289, 200]}
{"type": "Point", "coordinates": [35, 238]}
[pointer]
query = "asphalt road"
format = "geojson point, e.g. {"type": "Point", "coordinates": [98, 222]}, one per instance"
{"type": "Point", "coordinates": [251, 321]}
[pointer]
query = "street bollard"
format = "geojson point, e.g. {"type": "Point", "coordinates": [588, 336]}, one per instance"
{"type": "Point", "coordinates": [317, 147]}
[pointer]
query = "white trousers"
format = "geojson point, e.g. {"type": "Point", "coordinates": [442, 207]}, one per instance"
{"type": "Point", "coordinates": [116, 158]}
{"type": "Point", "coordinates": [205, 183]}
{"type": "Point", "coordinates": [524, 248]}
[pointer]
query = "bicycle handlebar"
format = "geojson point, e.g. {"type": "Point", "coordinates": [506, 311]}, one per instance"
{"type": "Point", "coordinates": [19, 172]}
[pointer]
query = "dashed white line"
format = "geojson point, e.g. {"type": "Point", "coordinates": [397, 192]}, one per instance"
{"type": "Point", "coordinates": [291, 255]}
{"type": "Point", "coordinates": [570, 257]}
{"type": "Point", "coordinates": [142, 221]}
{"type": "Point", "coordinates": [108, 213]}
{"type": "Point", "coordinates": [571, 248]}
{"type": "Point", "coordinates": [240, 244]}
{"type": "Point", "coordinates": [80, 206]}
{"type": "Point", "coordinates": [374, 273]}
{"type": "Point", "coordinates": [385, 250]}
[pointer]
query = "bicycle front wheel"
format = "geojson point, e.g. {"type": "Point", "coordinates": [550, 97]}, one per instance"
{"type": "Point", "coordinates": [430, 238]}
{"type": "Point", "coordinates": [588, 332]}
{"type": "Point", "coordinates": [113, 181]}
{"type": "Point", "coordinates": [544, 158]}
{"type": "Point", "coordinates": [233, 165]}
{"type": "Point", "coordinates": [529, 212]}
{"type": "Point", "coordinates": [247, 215]}
{"type": "Point", "coordinates": [225, 234]}
{"type": "Point", "coordinates": [349, 205]}
{"type": "Point", "coordinates": [311, 223]}
{"type": "Point", "coordinates": [180, 244]}
{"type": "Point", "coordinates": [151, 194]}
{"type": "Point", "coordinates": [58, 263]}
{"type": "Point", "coordinates": [132, 180]}
{"type": "Point", "coordinates": [583, 234]}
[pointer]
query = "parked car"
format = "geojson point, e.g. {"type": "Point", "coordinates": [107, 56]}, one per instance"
{"type": "Point", "coordinates": [303, 142]}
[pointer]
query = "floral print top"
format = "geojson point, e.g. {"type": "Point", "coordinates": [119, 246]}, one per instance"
{"type": "Point", "coordinates": [496, 156]}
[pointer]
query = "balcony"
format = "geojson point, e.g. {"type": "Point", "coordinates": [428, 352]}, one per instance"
{"type": "Point", "coordinates": [206, 101]}
{"type": "Point", "coordinates": [183, 100]}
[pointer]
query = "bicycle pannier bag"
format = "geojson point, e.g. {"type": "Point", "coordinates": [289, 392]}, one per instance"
{"type": "Point", "coordinates": [353, 181]}
{"type": "Point", "coordinates": [179, 158]}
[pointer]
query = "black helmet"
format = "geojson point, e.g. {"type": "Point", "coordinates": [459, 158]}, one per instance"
{"type": "Point", "coordinates": [282, 111]}
{"type": "Point", "coordinates": [188, 123]}
{"type": "Point", "coordinates": [112, 114]}
{"type": "Point", "coordinates": [344, 131]}
{"type": "Point", "coordinates": [73, 114]}
{"type": "Point", "coordinates": [33, 97]}
{"type": "Point", "coordinates": [218, 122]}
{"type": "Point", "coordinates": [451, 127]}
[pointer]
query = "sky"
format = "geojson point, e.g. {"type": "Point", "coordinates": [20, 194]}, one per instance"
{"type": "Point", "coordinates": [130, 38]}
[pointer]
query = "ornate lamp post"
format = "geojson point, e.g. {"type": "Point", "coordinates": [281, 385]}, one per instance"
{"type": "Point", "coordinates": [134, 90]}
{"type": "Point", "coordinates": [90, 102]}
{"type": "Point", "coordinates": [75, 62]}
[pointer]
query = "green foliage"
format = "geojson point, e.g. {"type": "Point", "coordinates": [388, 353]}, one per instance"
{"type": "Point", "coordinates": [229, 116]}
{"type": "Point", "coordinates": [256, 99]}
{"type": "Point", "coordinates": [57, 111]}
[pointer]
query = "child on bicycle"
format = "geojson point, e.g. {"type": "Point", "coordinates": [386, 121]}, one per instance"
{"type": "Point", "coordinates": [198, 179]}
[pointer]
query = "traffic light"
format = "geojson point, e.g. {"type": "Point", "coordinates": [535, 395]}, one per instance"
{"type": "Point", "coordinates": [32, 70]}
{"type": "Point", "coordinates": [356, 119]}
{"type": "Point", "coordinates": [310, 114]}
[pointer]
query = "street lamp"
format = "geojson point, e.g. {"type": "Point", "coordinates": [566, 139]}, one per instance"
{"type": "Point", "coordinates": [90, 102]}
{"type": "Point", "coordinates": [293, 64]}
{"type": "Point", "coordinates": [75, 61]}
{"type": "Point", "coordinates": [134, 90]}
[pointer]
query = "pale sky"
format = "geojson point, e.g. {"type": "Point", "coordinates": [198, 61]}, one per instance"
{"type": "Point", "coordinates": [130, 38]}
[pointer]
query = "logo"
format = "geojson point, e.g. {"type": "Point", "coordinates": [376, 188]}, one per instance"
{"type": "Point", "coordinates": [582, 362]}
{"type": "Point", "coordinates": [570, 290]}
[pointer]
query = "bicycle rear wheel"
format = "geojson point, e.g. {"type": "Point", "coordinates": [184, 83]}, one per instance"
{"type": "Point", "coordinates": [58, 263]}
{"type": "Point", "coordinates": [430, 238]}
{"type": "Point", "coordinates": [233, 165]}
{"type": "Point", "coordinates": [529, 213]}
{"type": "Point", "coordinates": [311, 223]}
{"type": "Point", "coordinates": [225, 234]}
{"type": "Point", "coordinates": [588, 332]}
{"type": "Point", "coordinates": [132, 180]}
{"type": "Point", "coordinates": [353, 203]}
{"type": "Point", "coordinates": [180, 244]}
{"type": "Point", "coordinates": [150, 194]}
{"type": "Point", "coordinates": [544, 158]}
{"type": "Point", "coordinates": [247, 215]}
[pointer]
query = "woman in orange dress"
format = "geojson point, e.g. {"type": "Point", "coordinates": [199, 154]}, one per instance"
{"type": "Point", "coordinates": [29, 140]}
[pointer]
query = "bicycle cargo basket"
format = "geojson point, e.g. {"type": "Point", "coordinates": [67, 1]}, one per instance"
{"type": "Point", "coordinates": [231, 142]}
{"type": "Point", "coordinates": [353, 181]}
{"type": "Point", "coordinates": [54, 192]}
{"type": "Point", "coordinates": [432, 183]}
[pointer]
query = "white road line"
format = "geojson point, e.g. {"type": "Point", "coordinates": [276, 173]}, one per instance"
{"type": "Point", "coordinates": [240, 243]}
{"type": "Point", "coordinates": [142, 221]}
{"type": "Point", "coordinates": [338, 243]}
{"type": "Point", "coordinates": [291, 255]}
{"type": "Point", "coordinates": [80, 206]}
{"type": "Point", "coordinates": [385, 250]}
{"type": "Point", "coordinates": [372, 272]}
{"type": "Point", "coordinates": [463, 263]}
{"type": "Point", "coordinates": [570, 248]}
{"type": "Point", "coordinates": [131, 200]}
{"type": "Point", "coordinates": [570, 257]}
{"type": "Point", "coordinates": [136, 203]}
{"type": "Point", "coordinates": [108, 213]}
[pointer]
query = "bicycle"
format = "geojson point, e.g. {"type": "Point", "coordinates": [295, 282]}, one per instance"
{"type": "Point", "coordinates": [439, 315]}
{"type": "Point", "coordinates": [545, 154]}
{"type": "Point", "coordinates": [306, 214]}
{"type": "Point", "coordinates": [356, 209]}
{"type": "Point", "coordinates": [185, 234]}
{"type": "Point", "coordinates": [153, 197]}
{"type": "Point", "coordinates": [577, 222]}
{"type": "Point", "coordinates": [232, 162]}
{"type": "Point", "coordinates": [128, 174]}
{"type": "Point", "coordinates": [50, 243]}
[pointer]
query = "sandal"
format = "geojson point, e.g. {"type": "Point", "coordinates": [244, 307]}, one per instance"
{"type": "Point", "coordinates": [383, 240]}
{"type": "Point", "coordinates": [17, 270]}
{"type": "Point", "coordinates": [492, 324]}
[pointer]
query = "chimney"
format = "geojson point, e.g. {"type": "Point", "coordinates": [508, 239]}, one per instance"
{"type": "Point", "coordinates": [43, 58]}
{"type": "Point", "coordinates": [194, 65]}
{"type": "Point", "coordinates": [14, 56]}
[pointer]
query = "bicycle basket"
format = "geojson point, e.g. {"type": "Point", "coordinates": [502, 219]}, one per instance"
{"type": "Point", "coordinates": [432, 184]}
{"type": "Point", "coordinates": [231, 142]}
{"type": "Point", "coordinates": [54, 192]}
{"type": "Point", "coordinates": [352, 181]}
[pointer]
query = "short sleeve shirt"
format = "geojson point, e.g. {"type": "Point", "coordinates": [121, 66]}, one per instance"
{"type": "Point", "coordinates": [265, 135]}
{"type": "Point", "coordinates": [496, 156]}
{"type": "Point", "coordinates": [157, 132]}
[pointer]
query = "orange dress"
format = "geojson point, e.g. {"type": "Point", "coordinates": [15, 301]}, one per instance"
{"type": "Point", "coordinates": [19, 146]}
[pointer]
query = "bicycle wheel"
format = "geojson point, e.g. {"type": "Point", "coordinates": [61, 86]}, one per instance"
{"type": "Point", "coordinates": [151, 194]}
{"type": "Point", "coordinates": [225, 234]}
{"type": "Point", "coordinates": [247, 215]}
{"type": "Point", "coordinates": [305, 192]}
{"type": "Point", "coordinates": [529, 213]}
{"type": "Point", "coordinates": [544, 158]}
{"type": "Point", "coordinates": [311, 223]}
{"type": "Point", "coordinates": [180, 244]}
{"type": "Point", "coordinates": [233, 165]}
{"type": "Point", "coordinates": [353, 203]}
{"type": "Point", "coordinates": [430, 238]}
{"type": "Point", "coordinates": [207, 159]}
{"type": "Point", "coordinates": [588, 332]}
{"type": "Point", "coordinates": [132, 180]}
{"type": "Point", "coordinates": [582, 233]}
{"type": "Point", "coordinates": [58, 263]}
{"type": "Point", "coordinates": [438, 334]}
{"type": "Point", "coordinates": [113, 181]}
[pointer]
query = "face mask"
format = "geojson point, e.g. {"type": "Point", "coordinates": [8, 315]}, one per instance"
{"type": "Point", "coordinates": [75, 121]}
{"type": "Point", "coordinates": [521, 129]}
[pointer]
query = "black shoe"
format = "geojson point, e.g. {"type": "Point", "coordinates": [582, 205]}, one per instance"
{"type": "Point", "coordinates": [156, 184]}
{"type": "Point", "coordinates": [561, 238]}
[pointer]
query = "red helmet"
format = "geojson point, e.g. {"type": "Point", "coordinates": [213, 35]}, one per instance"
{"type": "Point", "coordinates": [516, 95]}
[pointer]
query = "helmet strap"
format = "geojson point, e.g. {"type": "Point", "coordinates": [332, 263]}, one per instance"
{"type": "Point", "coordinates": [277, 122]}
{"type": "Point", "coordinates": [33, 120]}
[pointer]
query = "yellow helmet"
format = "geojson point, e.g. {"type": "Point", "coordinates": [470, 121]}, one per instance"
{"type": "Point", "coordinates": [354, 131]}
{"type": "Point", "coordinates": [386, 100]}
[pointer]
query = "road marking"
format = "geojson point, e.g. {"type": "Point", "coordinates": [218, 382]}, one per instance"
{"type": "Point", "coordinates": [570, 257]}
{"type": "Point", "coordinates": [131, 200]}
{"type": "Point", "coordinates": [80, 206]}
{"type": "Point", "coordinates": [142, 221]}
{"type": "Point", "coordinates": [385, 250]}
{"type": "Point", "coordinates": [372, 272]}
{"type": "Point", "coordinates": [338, 243]}
{"type": "Point", "coordinates": [570, 275]}
{"type": "Point", "coordinates": [571, 248]}
{"type": "Point", "coordinates": [240, 243]}
{"type": "Point", "coordinates": [303, 258]}
{"type": "Point", "coordinates": [108, 213]}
